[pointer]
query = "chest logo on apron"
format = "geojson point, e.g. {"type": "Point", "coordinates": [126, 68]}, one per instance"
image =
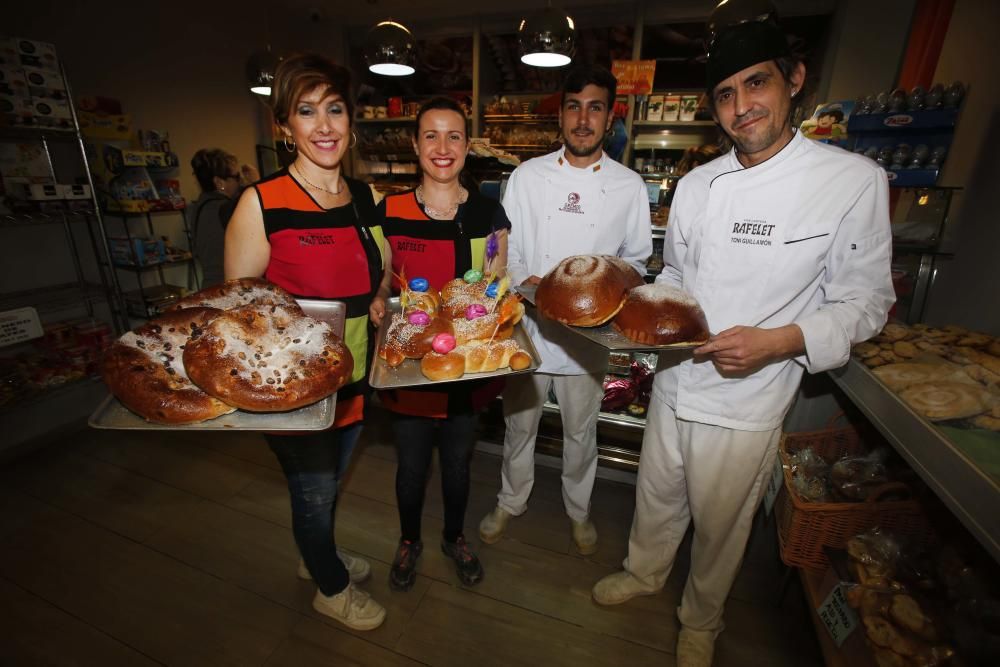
{"type": "Point", "coordinates": [572, 204]}
{"type": "Point", "coordinates": [315, 239]}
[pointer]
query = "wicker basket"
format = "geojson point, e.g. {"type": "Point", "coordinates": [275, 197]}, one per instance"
{"type": "Point", "coordinates": [805, 528]}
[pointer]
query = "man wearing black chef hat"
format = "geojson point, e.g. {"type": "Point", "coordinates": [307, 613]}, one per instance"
{"type": "Point", "coordinates": [789, 276]}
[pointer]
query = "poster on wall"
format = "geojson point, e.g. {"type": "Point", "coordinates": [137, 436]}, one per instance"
{"type": "Point", "coordinates": [635, 77]}
{"type": "Point", "coordinates": [828, 123]}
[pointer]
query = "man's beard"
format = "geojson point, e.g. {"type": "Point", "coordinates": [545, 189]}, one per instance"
{"type": "Point", "coordinates": [585, 150]}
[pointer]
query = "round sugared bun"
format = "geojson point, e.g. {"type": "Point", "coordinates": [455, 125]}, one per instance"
{"type": "Point", "coordinates": [585, 290]}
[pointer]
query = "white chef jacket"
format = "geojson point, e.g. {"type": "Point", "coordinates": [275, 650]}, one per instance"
{"type": "Point", "coordinates": [558, 210]}
{"type": "Point", "coordinates": [802, 238]}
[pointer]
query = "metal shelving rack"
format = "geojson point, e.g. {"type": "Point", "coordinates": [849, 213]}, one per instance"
{"type": "Point", "coordinates": [93, 289]}
{"type": "Point", "coordinates": [149, 294]}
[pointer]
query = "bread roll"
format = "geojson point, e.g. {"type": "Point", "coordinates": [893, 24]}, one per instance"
{"type": "Point", "coordinates": [585, 290]}
{"type": "Point", "coordinates": [439, 367]}
{"type": "Point", "coordinates": [661, 315]}
{"type": "Point", "coordinates": [413, 340]}
{"type": "Point", "coordinates": [938, 401]}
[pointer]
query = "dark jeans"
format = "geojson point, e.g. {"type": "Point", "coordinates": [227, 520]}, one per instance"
{"type": "Point", "coordinates": [415, 439]}
{"type": "Point", "coordinates": [313, 464]}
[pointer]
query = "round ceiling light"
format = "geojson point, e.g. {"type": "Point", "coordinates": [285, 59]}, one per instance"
{"type": "Point", "coordinates": [547, 39]}
{"type": "Point", "coordinates": [389, 49]}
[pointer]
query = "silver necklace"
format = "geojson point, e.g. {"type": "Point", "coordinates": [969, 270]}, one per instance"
{"type": "Point", "coordinates": [445, 214]}
{"type": "Point", "coordinates": [313, 185]}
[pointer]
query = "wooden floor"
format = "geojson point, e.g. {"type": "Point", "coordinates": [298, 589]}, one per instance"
{"type": "Point", "coordinates": [129, 548]}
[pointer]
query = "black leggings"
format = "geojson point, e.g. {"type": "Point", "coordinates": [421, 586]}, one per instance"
{"type": "Point", "coordinates": [415, 440]}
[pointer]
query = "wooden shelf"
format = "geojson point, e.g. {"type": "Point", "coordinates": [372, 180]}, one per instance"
{"type": "Point", "coordinates": [673, 123]}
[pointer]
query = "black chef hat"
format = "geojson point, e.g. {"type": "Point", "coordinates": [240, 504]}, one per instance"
{"type": "Point", "coordinates": [739, 46]}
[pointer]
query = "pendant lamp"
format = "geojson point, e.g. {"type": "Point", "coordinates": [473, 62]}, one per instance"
{"type": "Point", "coordinates": [389, 49]}
{"type": "Point", "coordinates": [260, 71]}
{"type": "Point", "coordinates": [547, 39]}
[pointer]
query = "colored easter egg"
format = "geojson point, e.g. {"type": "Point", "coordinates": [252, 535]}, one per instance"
{"type": "Point", "coordinates": [419, 317]}
{"type": "Point", "coordinates": [475, 310]}
{"type": "Point", "coordinates": [443, 343]}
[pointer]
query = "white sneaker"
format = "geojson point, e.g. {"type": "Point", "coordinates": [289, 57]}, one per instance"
{"type": "Point", "coordinates": [695, 648]}
{"type": "Point", "coordinates": [352, 606]}
{"type": "Point", "coordinates": [493, 525]}
{"type": "Point", "coordinates": [585, 536]}
{"type": "Point", "coordinates": [358, 569]}
{"type": "Point", "coordinates": [618, 588]}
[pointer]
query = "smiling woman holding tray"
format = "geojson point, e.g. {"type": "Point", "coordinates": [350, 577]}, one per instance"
{"type": "Point", "coordinates": [438, 232]}
{"type": "Point", "coordinates": [312, 231]}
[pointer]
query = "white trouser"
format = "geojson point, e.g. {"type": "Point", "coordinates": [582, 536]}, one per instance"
{"type": "Point", "coordinates": [579, 398]}
{"type": "Point", "coordinates": [713, 476]}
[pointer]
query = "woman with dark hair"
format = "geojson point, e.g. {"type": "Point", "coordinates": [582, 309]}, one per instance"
{"type": "Point", "coordinates": [438, 232]}
{"type": "Point", "coordinates": [312, 230]}
{"type": "Point", "coordinates": [221, 181]}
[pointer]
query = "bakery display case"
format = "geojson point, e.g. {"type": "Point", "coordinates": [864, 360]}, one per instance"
{"type": "Point", "coordinates": [962, 466]}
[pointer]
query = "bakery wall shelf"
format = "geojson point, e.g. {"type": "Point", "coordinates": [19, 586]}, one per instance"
{"type": "Point", "coordinates": [956, 472]}
{"type": "Point", "coordinates": [147, 254]}
{"type": "Point", "coordinates": [53, 260]}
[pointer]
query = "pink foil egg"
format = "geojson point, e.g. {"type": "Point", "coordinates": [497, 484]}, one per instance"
{"type": "Point", "coordinates": [475, 310]}
{"type": "Point", "coordinates": [419, 317]}
{"type": "Point", "coordinates": [443, 343]}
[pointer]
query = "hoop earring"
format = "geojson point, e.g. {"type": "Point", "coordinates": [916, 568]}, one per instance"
{"type": "Point", "coordinates": [290, 149]}
{"type": "Point", "coordinates": [354, 136]}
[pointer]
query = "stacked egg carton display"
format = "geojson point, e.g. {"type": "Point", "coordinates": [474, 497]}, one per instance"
{"type": "Point", "coordinates": [908, 134]}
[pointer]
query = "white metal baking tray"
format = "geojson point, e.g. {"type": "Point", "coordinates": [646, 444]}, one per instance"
{"type": "Point", "coordinates": [111, 414]}
{"type": "Point", "coordinates": [606, 335]}
{"type": "Point", "coordinates": [408, 374]}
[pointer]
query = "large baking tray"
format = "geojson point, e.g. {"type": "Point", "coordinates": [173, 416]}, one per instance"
{"type": "Point", "coordinates": [606, 335]}
{"type": "Point", "coordinates": [408, 374]}
{"type": "Point", "coordinates": [111, 414]}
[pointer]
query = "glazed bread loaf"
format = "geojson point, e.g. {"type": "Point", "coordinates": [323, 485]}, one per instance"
{"type": "Point", "coordinates": [585, 290]}
{"type": "Point", "coordinates": [267, 359]}
{"type": "Point", "coordinates": [413, 341]}
{"type": "Point", "coordinates": [661, 315]}
{"type": "Point", "coordinates": [144, 369]}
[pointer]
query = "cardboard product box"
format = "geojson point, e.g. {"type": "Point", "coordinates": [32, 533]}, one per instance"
{"type": "Point", "coordinates": [689, 105]}
{"type": "Point", "coordinates": [655, 109]}
{"type": "Point", "coordinates": [137, 252]}
{"type": "Point", "coordinates": [74, 191]}
{"type": "Point", "coordinates": [50, 113]}
{"type": "Point", "coordinates": [100, 126]}
{"type": "Point", "coordinates": [16, 111]}
{"type": "Point", "coordinates": [39, 192]}
{"type": "Point", "coordinates": [24, 163]}
{"type": "Point", "coordinates": [12, 81]}
{"type": "Point", "coordinates": [43, 84]}
{"type": "Point", "coordinates": [671, 107]}
{"type": "Point", "coordinates": [33, 53]}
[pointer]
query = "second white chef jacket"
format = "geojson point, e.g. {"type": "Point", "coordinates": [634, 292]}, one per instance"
{"type": "Point", "coordinates": [557, 210]}
{"type": "Point", "coordinates": [801, 238]}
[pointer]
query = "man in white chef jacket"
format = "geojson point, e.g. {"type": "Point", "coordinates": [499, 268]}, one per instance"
{"type": "Point", "coordinates": [789, 276]}
{"type": "Point", "coordinates": [575, 201]}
